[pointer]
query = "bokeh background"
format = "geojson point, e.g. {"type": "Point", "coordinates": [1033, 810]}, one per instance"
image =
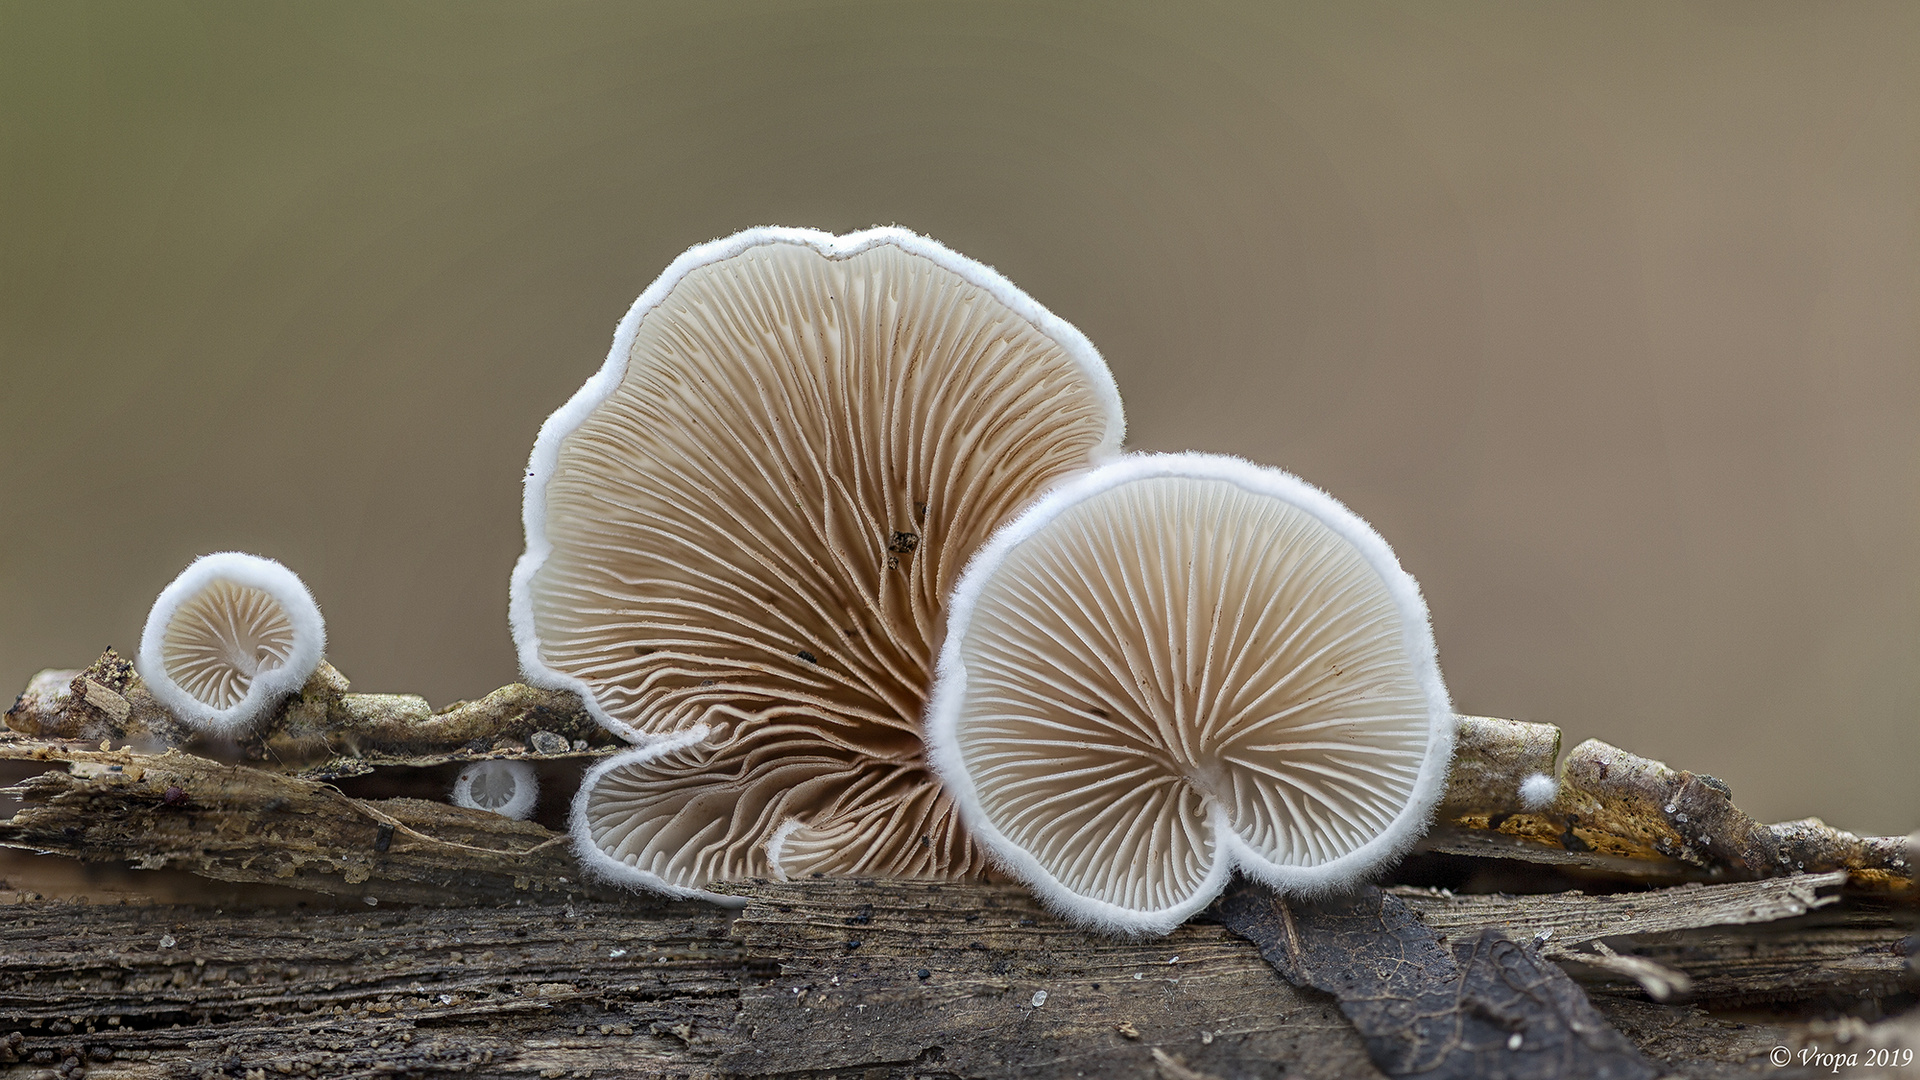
{"type": "Point", "coordinates": [1604, 314]}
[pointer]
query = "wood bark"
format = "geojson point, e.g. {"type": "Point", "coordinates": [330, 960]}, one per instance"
{"type": "Point", "coordinates": [840, 977]}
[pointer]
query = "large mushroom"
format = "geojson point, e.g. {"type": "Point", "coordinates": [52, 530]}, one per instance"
{"type": "Point", "coordinates": [750, 518]}
{"type": "Point", "coordinates": [228, 639]}
{"type": "Point", "coordinates": [1180, 664]}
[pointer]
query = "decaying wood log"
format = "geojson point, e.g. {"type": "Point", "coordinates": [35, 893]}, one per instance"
{"type": "Point", "coordinates": [402, 936]}
{"type": "Point", "coordinates": [853, 977]}
{"type": "Point", "coordinates": [233, 823]}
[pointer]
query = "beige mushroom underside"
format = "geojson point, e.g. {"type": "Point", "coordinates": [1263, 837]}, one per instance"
{"type": "Point", "coordinates": [712, 811]}
{"type": "Point", "coordinates": [760, 525]}
{"type": "Point", "coordinates": [224, 636]}
{"type": "Point", "coordinates": [1172, 646]}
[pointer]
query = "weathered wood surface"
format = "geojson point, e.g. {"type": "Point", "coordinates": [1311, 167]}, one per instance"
{"type": "Point", "coordinates": [852, 978]}
{"type": "Point", "coordinates": [234, 823]}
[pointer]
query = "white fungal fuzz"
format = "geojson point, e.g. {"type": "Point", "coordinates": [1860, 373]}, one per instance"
{"type": "Point", "coordinates": [231, 637]}
{"type": "Point", "coordinates": [1538, 790]}
{"type": "Point", "coordinates": [507, 788]}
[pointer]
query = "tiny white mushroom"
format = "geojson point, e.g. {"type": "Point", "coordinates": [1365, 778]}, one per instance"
{"type": "Point", "coordinates": [228, 639]}
{"type": "Point", "coordinates": [1181, 664]}
{"type": "Point", "coordinates": [507, 788]}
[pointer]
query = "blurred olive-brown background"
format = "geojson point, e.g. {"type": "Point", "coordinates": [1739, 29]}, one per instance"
{"type": "Point", "coordinates": [1605, 315]}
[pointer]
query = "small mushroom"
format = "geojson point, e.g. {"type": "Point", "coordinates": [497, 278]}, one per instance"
{"type": "Point", "coordinates": [230, 638]}
{"type": "Point", "coordinates": [507, 788]}
{"type": "Point", "coordinates": [751, 517]}
{"type": "Point", "coordinates": [1180, 664]}
{"type": "Point", "coordinates": [775, 801]}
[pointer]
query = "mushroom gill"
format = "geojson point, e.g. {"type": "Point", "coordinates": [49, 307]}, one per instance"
{"type": "Point", "coordinates": [774, 800]}
{"type": "Point", "coordinates": [221, 639]}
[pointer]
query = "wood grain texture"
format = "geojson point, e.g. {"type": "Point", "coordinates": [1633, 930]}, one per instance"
{"type": "Point", "coordinates": [813, 978]}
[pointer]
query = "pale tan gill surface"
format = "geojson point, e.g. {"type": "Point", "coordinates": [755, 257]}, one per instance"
{"type": "Point", "coordinates": [1170, 646]}
{"type": "Point", "coordinates": [221, 638]}
{"type": "Point", "coordinates": [760, 525]}
{"type": "Point", "coordinates": [707, 812]}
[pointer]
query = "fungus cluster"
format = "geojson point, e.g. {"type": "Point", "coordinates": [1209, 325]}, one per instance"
{"type": "Point", "coordinates": [746, 535]}
{"type": "Point", "coordinates": [742, 530]}
{"type": "Point", "coordinates": [809, 464]}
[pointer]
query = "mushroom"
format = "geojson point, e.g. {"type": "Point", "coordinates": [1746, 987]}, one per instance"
{"type": "Point", "coordinates": [507, 788]}
{"type": "Point", "coordinates": [231, 637]}
{"type": "Point", "coordinates": [774, 800]}
{"type": "Point", "coordinates": [752, 515]}
{"type": "Point", "coordinates": [1180, 664]}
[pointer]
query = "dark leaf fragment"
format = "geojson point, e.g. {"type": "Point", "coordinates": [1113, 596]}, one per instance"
{"type": "Point", "coordinates": [1486, 1008]}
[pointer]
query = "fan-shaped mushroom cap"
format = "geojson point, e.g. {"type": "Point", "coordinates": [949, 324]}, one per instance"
{"type": "Point", "coordinates": [228, 639]}
{"type": "Point", "coordinates": [1182, 663]}
{"type": "Point", "coordinates": [757, 506]}
{"type": "Point", "coordinates": [747, 523]}
{"type": "Point", "coordinates": [507, 788]}
{"type": "Point", "coordinates": [774, 800]}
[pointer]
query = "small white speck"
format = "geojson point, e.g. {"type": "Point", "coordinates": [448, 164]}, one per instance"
{"type": "Point", "coordinates": [616, 954]}
{"type": "Point", "coordinates": [1175, 960]}
{"type": "Point", "coordinates": [1136, 975]}
{"type": "Point", "coordinates": [1542, 936]}
{"type": "Point", "coordinates": [1206, 1037]}
{"type": "Point", "coordinates": [1538, 790]}
{"type": "Point", "coordinates": [1669, 808]}
{"type": "Point", "coordinates": [1679, 817]}
{"type": "Point", "coordinates": [1513, 1041]}
{"type": "Point", "coordinates": [167, 942]}
{"type": "Point", "coordinates": [1039, 998]}
{"type": "Point", "coordinates": [446, 999]}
